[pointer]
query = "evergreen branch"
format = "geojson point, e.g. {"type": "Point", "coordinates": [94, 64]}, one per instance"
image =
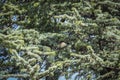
{"type": "Point", "coordinates": [98, 59]}
{"type": "Point", "coordinates": [110, 3]}
{"type": "Point", "coordinates": [14, 75]}
{"type": "Point", "coordinates": [106, 75]}
{"type": "Point", "coordinates": [65, 16]}
{"type": "Point", "coordinates": [7, 13]}
{"type": "Point", "coordinates": [58, 65]}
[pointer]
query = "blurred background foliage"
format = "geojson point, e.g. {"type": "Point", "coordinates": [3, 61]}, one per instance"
{"type": "Point", "coordinates": [46, 39]}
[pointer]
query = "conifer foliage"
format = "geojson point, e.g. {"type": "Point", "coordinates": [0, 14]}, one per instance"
{"type": "Point", "coordinates": [50, 38]}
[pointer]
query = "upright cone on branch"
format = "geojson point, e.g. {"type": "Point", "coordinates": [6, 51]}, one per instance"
{"type": "Point", "coordinates": [62, 45]}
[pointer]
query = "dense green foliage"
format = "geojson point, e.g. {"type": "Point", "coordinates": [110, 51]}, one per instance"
{"type": "Point", "coordinates": [60, 37]}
